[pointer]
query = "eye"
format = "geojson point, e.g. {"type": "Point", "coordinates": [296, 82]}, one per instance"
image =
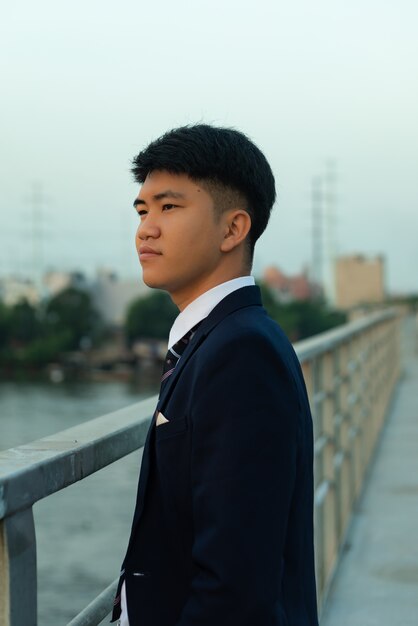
{"type": "Point", "coordinates": [142, 212]}
{"type": "Point", "coordinates": [167, 207]}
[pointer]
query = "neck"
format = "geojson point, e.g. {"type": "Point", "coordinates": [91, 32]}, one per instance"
{"type": "Point", "coordinates": [184, 297]}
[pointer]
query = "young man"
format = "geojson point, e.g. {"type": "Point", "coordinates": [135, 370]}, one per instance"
{"type": "Point", "coordinates": [223, 528]}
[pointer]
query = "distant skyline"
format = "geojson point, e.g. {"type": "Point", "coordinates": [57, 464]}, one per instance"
{"type": "Point", "coordinates": [86, 85]}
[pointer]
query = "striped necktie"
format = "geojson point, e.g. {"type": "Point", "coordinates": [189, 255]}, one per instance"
{"type": "Point", "coordinates": [174, 353]}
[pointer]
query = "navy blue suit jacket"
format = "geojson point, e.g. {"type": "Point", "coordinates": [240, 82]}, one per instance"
{"type": "Point", "coordinates": [223, 527]}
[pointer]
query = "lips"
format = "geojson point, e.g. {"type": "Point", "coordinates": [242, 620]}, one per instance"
{"type": "Point", "coordinates": [146, 252]}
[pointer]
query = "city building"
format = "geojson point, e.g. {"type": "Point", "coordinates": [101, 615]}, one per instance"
{"type": "Point", "coordinates": [359, 280]}
{"type": "Point", "coordinates": [55, 281]}
{"type": "Point", "coordinates": [112, 296]}
{"type": "Point", "coordinates": [14, 289]}
{"type": "Point", "coordinates": [289, 288]}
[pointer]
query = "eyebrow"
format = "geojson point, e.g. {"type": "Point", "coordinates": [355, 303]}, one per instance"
{"type": "Point", "coordinates": [161, 196]}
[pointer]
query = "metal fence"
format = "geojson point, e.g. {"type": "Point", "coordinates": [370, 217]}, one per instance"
{"type": "Point", "coordinates": [350, 374]}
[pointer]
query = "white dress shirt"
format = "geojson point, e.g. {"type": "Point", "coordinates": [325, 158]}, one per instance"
{"type": "Point", "coordinates": [200, 308]}
{"type": "Point", "coordinates": [194, 313]}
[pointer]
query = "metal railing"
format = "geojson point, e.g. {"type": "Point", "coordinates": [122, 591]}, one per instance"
{"type": "Point", "coordinates": [350, 374]}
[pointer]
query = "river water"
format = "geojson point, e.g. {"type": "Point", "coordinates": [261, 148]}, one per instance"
{"type": "Point", "coordinates": [83, 530]}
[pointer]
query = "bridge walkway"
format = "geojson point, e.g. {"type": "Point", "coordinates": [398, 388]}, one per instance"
{"type": "Point", "coordinates": [376, 582]}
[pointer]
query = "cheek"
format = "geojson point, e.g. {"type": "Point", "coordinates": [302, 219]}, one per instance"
{"type": "Point", "coordinates": [137, 240]}
{"type": "Point", "coordinates": [203, 236]}
{"type": "Point", "coordinates": [199, 249]}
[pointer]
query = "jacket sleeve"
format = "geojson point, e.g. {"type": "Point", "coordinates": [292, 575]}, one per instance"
{"type": "Point", "coordinates": [244, 421]}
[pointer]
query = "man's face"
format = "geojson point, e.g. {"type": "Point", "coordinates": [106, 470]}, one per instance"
{"type": "Point", "coordinates": [178, 239]}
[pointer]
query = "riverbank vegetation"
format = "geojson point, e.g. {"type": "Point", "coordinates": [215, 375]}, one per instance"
{"type": "Point", "coordinates": [34, 336]}
{"type": "Point", "coordinates": [68, 330]}
{"type": "Point", "coordinates": [152, 316]}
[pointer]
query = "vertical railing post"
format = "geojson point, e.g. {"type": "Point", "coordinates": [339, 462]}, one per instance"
{"type": "Point", "coordinates": [373, 384]}
{"type": "Point", "coordinates": [316, 405]}
{"type": "Point", "coordinates": [356, 429]}
{"type": "Point", "coordinates": [367, 431]}
{"type": "Point", "coordinates": [18, 588]}
{"type": "Point", "coordinates": [343, 464]}
{"type": "Point", "coordinates": [350, 440]}
{"type": "Point", "coordinates": [331, 388]}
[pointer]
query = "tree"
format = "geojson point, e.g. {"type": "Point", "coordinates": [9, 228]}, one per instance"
{"type": "Point", "coordinates": [24, 324]}
{"type": "Point", "coordinates": [71, 314]}
{"type": "Point", "coordinates": [269, 301]}
{"type": "Point", "coordinates": [150, 317]}
{"type": "Point", "coordinates": [43, 350]}
{"type": "Point", "coordinates": [301, 319]}
{"type": "Point", "coordinates": [310, 318]}
{"type": "Point", "coordinates": [4, 324]}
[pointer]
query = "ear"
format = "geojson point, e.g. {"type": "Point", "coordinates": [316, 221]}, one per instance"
{"type": "Point", "coordinates": [237, 224]}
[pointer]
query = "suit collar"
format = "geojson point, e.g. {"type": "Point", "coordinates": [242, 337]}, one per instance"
{"type": "Point", "coordinates": [246, 296]}
{"type": "Point", "coordinates": [201, 307]}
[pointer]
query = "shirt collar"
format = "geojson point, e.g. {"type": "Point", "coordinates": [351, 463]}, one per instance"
{"type": "Point", "coordinates": [200, 308]}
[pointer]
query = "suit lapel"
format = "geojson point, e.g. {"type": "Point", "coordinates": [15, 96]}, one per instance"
{"type": "Point", "coordinates": [246, 296]}
{"type": "Point", "coordinates": [196, 340]}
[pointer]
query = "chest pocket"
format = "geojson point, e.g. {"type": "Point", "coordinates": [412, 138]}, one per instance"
{"type": "Point", "coordinates": [173, 428]}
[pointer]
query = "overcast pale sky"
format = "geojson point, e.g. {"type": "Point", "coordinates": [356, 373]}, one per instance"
{"type": "Point", "coordinates": [85, 85]}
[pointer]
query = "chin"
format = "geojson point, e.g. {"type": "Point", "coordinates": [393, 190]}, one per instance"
{"type": "Point", "coordinates": [154, 284]}
{"type": "Point", "coordinates": [152, 281]}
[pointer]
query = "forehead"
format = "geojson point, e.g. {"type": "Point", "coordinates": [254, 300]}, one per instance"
{"type": "Point", "coordinates": [160, 184]}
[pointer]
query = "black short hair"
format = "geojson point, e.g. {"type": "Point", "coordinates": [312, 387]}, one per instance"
{"type": "Point", "coordinates": [222, 157]}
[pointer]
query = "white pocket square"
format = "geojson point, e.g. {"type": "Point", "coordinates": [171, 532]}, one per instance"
{"type": "Point", "coordinates": [161, 419]}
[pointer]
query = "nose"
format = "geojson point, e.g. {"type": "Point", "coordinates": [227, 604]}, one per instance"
{"type": "Point", "coordinates": [148, 227]}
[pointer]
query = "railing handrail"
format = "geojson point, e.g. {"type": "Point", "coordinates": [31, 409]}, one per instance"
{"type": "Point", "coordinates": [70, 455]}
{"type": "Point", "coordinates": [312, 347]}
{"type": "Point", "coordinates": [88, 447]}
{"type": "Point", "coordinates": [98, 609]}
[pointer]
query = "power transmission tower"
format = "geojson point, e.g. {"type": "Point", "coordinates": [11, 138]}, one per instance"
{"type": "Point", "coordinates": [37, 205]}
{"type": "Point", "coordinates": [317, 230]}
{"type": "Point", "coordinates": [330, 223]}
{"type": "Point", "coordinates": [324, 202]}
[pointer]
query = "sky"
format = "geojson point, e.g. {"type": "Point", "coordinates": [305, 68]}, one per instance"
{"type": "Point", "coordinates": [86, 85]}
